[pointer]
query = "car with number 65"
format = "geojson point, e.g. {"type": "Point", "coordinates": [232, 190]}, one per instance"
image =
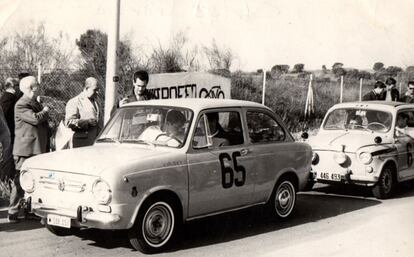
{"type": "Point", "coordinates": [224, 155]}
{"type": "Point", "coordinates": [367, 143]}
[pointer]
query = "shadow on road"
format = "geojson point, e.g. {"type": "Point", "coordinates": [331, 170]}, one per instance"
{"type": "Point", "coordinates": [310, 207]}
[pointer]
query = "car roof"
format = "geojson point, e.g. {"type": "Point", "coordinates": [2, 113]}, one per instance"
{"type": "Point", "coordinates": [380, 105]}
{"type": "Point", "coordinates": [198, 104]}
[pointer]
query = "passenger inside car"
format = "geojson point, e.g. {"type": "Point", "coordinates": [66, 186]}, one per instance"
{"type": "Point", "coordinates": [217, 133]}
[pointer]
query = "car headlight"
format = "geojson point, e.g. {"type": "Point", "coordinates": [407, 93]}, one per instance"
{"type": "Point", "coordinates": [101, 191]}
{"type": "Point", "coordinates": [315, 158]}
{"type": "Point", "coordinates": [27, 181]}
{"type": "Point", "coordinates": [365, 158]}
{"type": "Point", "coordinates": [340, 158]}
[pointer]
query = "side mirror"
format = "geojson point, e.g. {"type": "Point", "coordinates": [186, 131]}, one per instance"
{"type": "Point", "coordinates": [304, 135]}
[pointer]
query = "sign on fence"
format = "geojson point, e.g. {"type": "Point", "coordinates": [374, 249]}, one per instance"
{"type": "Point", "coordinates": [189, 85]}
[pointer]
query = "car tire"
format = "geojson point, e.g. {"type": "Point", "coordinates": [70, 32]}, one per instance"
{"type": "Point", "coordinates": [59, 231]}
{"type": "Point", "coordinates": [155, 226]}
{"type": "Point", "coordinates": [386, 184]}
{"type": "Point", "coordinates": [283, 199]}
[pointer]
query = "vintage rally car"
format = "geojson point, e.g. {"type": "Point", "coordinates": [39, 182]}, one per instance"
{"type": "Point", "coordinates": [365, 143]}
{"type": "Point", "coordinates": [160, 163]}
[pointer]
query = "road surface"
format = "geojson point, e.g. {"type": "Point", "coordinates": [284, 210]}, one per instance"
{"type": "Point", "coordinates": [330, 221]}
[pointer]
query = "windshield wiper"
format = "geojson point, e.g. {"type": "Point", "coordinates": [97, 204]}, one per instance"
{"type": "Point", "coordinates": [108, 139]}
{"type": "Point", "coordinates": [139, 141]}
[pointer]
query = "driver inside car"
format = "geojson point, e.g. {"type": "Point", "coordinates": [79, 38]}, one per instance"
{"type": "Point", "coordinates": [173, 135]}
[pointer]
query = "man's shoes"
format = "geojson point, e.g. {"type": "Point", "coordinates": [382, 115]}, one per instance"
{"type": "Point", "coordinates": [12, 218]}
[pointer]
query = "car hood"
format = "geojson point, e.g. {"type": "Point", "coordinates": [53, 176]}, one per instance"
{"type": "Point", "coordinates": [352, 140]}
{"type": "Point", "coordinates": [93, 160]}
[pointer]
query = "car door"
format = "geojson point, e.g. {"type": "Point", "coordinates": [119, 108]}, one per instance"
{"type": "Point", "coordinates": [220, 176]}
{"type": "Point", "coordinates": [273, 149]}
{"type": "Point", "coordinates": [404, 142]}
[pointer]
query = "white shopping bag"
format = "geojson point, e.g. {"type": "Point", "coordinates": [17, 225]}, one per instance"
{"type": "Point", "coordinates": [63, 138]}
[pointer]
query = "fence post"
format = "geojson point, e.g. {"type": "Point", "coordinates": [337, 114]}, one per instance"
{"type": "Point", "coordinates": [39, 72]}
{"type": "Point", "coordinates": [309, 99]}
{"type": "Point", "coordinates": [264, 87]}
{"type": "Point", "coordinates": [400, 87]}
{"type": "Point", "coordinates": [342, 88]}
{"type": "Point", "coordinates": [360, 89]}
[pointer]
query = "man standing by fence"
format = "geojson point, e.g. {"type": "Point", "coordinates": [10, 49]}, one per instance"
{"type": "Point", "coordinates": [8, 101]}
{"type": "Point", "coordinates": [32, 137]}
{"type": "Point", "coordinates": [83, 115]}
{"type": "Point", "coordinates": [377, 93]}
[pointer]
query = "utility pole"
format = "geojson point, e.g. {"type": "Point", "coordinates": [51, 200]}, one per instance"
{"type": "Point", "coordinates": [112, 78]}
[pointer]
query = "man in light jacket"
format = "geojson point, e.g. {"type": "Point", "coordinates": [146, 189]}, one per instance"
{"type": "Point", "coordinates": [83, 115]}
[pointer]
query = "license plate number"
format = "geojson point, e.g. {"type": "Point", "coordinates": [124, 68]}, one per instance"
{"type": "Point", "coordinates": [57, 220]}
{"type": "Point", "coordinates": [330, 176]}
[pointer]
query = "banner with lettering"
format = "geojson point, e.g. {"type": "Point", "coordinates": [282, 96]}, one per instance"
{"type": "Point", "coordinates": [189, 85]}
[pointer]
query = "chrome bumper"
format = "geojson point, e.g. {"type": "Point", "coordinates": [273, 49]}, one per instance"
{"type": "Point", "coordinates": [83, 216]}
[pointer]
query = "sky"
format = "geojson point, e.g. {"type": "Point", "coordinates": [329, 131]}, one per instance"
{"type": "Point", "coordinates": [261, 33]}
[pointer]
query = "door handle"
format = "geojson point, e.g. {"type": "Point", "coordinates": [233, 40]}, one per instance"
{"type": "Point", "coordinates": [244, 151]}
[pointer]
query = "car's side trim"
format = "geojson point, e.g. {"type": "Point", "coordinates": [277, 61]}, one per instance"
{"type": "Point", "coordinates": [384, 151]}
{"type": "Point", "coordinates": [224, 211]}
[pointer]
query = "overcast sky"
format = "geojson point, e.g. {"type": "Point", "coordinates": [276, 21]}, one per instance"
{"type": "Point", "coordinates": [262, 33]}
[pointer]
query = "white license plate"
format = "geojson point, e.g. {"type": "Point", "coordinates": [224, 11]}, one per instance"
{"type": "Point", "coordinates": [329, 176]}
{"type": "Point", "coordinates": [57, 220]}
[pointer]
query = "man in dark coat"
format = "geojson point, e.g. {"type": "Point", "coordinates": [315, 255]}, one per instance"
{"type": "Point", "coordinates": [7, 102]}
{"type": "Point", "coordinates": [32, 136]}
{"type": "Point", "coordinates": [391, 93]}
{"type": "Point", "coordinates": [377, 93]}
{"type": "Point", "coordinates": [409, 95]}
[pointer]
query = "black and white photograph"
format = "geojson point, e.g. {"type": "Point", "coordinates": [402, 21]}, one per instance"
{"type": "Point", "coordinates": [206, 128]}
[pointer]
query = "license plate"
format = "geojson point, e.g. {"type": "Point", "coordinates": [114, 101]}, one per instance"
{"type": "Point", "coordinates": [57, 220]}
{"type": "Point", "coordinates": [330, 176]}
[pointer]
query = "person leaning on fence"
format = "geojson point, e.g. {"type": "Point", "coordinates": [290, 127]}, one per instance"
{"type": "Point", "coordinates": [83, 114]}
{"type": "Point", "coordinates": [377, 93]}
{"type": "Point", "coordinates": [32, 136]}
{"type": "Point", "coordinates": [409, 95]}
{"type": "Point", "coordinates": [8, 101]}
{"type": "Point", "coordinates": [391, 92]}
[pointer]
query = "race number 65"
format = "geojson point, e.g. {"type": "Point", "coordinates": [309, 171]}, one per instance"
{"type": "Point", "coordinates": [227, 172]}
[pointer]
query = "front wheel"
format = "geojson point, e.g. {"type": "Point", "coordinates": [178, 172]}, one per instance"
{"type": "Point", "coordinates": [386, 184]}
{"type": "Point", "coordinates": [283, 199]}
{"type": "Point", "coordinates": [154, 227]}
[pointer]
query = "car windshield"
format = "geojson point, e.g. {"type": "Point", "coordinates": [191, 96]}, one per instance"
{"type": "Point", "coordinates": [358, 119]}
{"type": "Point", "coordinates": [151, 125]}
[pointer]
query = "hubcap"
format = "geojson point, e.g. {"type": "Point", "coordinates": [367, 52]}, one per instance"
{"type": "Point", "coordinates": [158, 224]}
{"type": "Point", "coordinates": [285, 199]}
{"type": "Point", "coordinates": [387, 180]}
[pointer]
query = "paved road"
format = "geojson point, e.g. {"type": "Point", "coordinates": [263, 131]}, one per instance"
{"type": "Point", "coordinates": [330, 221]}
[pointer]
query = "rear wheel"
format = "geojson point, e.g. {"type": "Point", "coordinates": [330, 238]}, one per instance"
{"type": "Point", "coordinates": [283, 198]}
{"type": "Point", "coordinates": [155, 227]}
{"type": "Point", "coordinates": [386, 184]}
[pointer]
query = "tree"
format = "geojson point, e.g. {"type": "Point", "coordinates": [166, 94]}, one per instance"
{"type": "Point", "coordinates": [298, 68]}
{"type": "Point", "coordinates": [393, 70]}
{"type": "Point", "coordinates": [218, 58]}
{"type": "Point", "coordinates": [278, 70]}
{"type": "Point", "coordinates": [337, 65]}
{"type": "Point", "coordinates": [324, 69]}
{"type": "Point", "coordinates": [378, 66]}
{"type": "Point", "coordinates": [26, 48]}
{"type": "Point", "coordinates": [177, 56]}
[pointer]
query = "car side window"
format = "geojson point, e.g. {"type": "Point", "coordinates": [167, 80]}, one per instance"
{"type": "Point", "coordinates": [263, 128]}
{"type": "Point", "coordinates": [218, 129]}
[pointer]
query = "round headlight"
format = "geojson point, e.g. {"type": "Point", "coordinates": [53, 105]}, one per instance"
{"type": "Point", "coordinates": [340, 158]}
{"type": "Point", "coordinates": [365, 158]}
{"type": "Point", "coordinates": [27, 181]}
{"type": "Point", "coordinates": [102, 192]}
{"type": "Point", "coordinates": [315, 158]}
